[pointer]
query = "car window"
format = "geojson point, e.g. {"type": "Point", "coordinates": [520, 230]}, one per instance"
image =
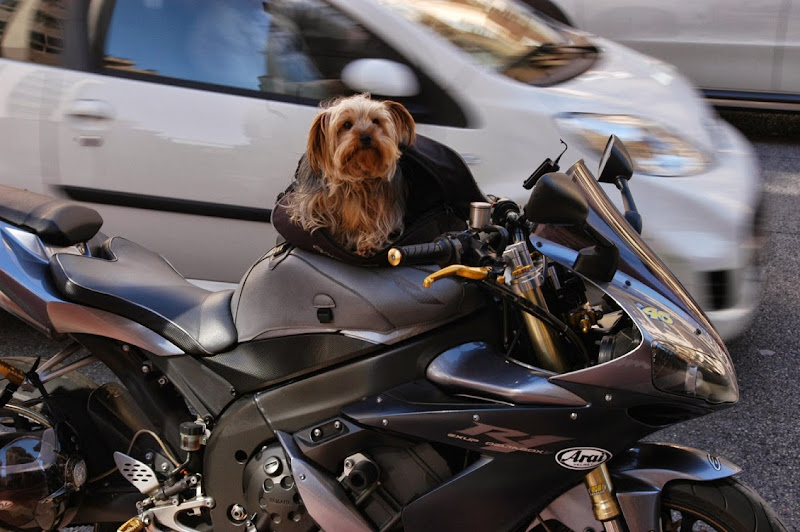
{"type": "Point", "coordinates": [292, 50]}
{"type": "Point", "coordinates": [504, 35]}
{"type": "Point", "coordinates": [493, 33]}
{"type": "Point", "coordinates": [32, 30]}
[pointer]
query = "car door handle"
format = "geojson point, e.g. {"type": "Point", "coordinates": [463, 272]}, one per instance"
{"type": "Point", "coordinates": [89, 110]}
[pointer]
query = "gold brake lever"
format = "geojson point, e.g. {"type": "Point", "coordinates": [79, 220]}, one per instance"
{"type": "Point", "coordinates": [457, 270]}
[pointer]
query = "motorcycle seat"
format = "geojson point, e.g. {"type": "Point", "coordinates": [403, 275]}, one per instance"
{"type": "Point", "coordinates": [292, 291]}
{"type": "Point", "coordinates": [139, 284]}
{"type": "Point", "coordinates": [57, 222]}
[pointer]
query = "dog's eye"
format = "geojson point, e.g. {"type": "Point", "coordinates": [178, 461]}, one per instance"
{"type": "Point", "coordinates": [376, 121]}
{"type": "Point", "coordinates": [347, 125]}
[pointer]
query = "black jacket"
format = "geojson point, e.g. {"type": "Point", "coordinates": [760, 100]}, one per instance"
{"type": "Point", "coordinates": [440, 185]}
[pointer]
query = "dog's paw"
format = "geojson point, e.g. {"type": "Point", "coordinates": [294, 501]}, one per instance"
{"type": "Point", "coordinates": [365, 251]}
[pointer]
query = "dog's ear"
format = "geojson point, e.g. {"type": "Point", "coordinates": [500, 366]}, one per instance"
{"type": "Point", "coordinates": [316, 142]}
{"type": "Point", "coordinates": [407, 130]}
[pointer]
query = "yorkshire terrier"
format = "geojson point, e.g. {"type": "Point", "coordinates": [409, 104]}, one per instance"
{"type": "Point", "coordinates": [349, 182]}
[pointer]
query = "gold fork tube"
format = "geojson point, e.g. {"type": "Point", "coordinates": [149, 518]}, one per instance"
{"type": "Point", "coordinates": [542, 337]}
{"type": "Point", "coordinates": [604, 502]}
{"type": "Point", "coordinates": [526, 281]}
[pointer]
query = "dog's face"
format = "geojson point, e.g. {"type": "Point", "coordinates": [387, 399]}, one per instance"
{"type": "Point", "coordinates": [357, 138]}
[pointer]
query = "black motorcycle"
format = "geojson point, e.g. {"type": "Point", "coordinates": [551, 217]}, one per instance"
{"type": "Point", "coordinates": [499, 378]}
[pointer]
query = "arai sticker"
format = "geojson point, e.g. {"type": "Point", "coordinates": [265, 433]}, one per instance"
{"type": "Point", "coordinates": [582, 457]}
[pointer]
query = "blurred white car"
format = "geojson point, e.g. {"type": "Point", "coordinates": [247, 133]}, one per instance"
{"type": "Point", "coordinates": [181, 120]}
{"type": "Point", "coordinates": [741, 53]}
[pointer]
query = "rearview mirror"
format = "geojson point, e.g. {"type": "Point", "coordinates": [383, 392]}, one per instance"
{"type": "Point", "coordinates": [615, 162]}
{"type": "Point", "coordinates": [556, 200]}
{"type": "Point", "coordinates": [381, 77]}
{"type": "Point", "coordinates": [616, 168]}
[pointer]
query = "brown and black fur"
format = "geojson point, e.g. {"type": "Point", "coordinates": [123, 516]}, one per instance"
{"type": "Point", "coordinates": [349, 182]}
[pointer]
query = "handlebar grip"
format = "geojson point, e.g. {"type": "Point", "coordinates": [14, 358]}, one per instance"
{"type": "Point", "coordinates": [427, 253]}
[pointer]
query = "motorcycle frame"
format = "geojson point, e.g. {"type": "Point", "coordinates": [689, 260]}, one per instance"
{"type": "Point", "coordinates": [402, 403]}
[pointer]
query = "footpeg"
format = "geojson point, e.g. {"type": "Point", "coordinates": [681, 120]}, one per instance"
{"type": "Point", "coordinates": [134, 524]}
{"type": "Point", "coordinates": [137, 473]}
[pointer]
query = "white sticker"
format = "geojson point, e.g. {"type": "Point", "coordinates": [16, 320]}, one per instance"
{"type": "Point", "coordinates": [582, 457]}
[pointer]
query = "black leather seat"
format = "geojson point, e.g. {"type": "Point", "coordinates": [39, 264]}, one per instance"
{"type": "Point", "coordinates": [55, 221]}
{"type": "Point", "coordinates": [141, 285]}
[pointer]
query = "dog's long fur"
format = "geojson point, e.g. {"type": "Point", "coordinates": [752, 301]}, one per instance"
{"type": "Point", "coordinates": [349, 182]}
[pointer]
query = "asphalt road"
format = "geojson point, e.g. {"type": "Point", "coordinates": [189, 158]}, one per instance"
{"type": "Point", "coordinates": [761, 434]}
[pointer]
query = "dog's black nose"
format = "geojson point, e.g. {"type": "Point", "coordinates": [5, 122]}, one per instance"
{"type": "Point", "coordinates": [366, 140]}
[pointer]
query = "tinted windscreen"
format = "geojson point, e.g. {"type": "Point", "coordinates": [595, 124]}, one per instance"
{"type": "Point", "coordinates": [635, 256]}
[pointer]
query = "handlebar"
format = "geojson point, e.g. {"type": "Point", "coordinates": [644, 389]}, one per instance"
{"type": "Point", "coordinates": [438, 251]}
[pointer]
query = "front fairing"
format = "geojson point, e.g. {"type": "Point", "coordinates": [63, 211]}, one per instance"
{"type": "Point", "coordinates": [667, 317]}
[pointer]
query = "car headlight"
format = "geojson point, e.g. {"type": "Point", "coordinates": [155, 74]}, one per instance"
{"type": "Point", "coordinates": [681, 370]}
{"type": "Point", "coordinates": [654, 150]}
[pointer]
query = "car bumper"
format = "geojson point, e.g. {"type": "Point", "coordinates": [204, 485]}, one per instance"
{"type": "Point", "coordinates": [712, 240]}
{"type": "Point", "coordinates": [732, 321]}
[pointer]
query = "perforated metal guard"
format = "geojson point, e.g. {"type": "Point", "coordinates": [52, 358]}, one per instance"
{"type": "Point", "coordinates": [137, 473]}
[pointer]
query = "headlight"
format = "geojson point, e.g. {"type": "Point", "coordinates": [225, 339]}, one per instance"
{"type": "Point", "coordinates": [654, 150]}
{"type": "Point", "coordinates": [685, 371]}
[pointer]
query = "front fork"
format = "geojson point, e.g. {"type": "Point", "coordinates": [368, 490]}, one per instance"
{"type": "Point", "coordinates": [604, 501]}
{"type": "Point", "coordinates": [526, 281]}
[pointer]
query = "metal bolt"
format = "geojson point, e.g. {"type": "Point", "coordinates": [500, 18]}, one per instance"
{"type": "Point", "coordinates": [379, 399]}
{"type": "Point", "coordinates": [337, 425]}
{"type": "Point", "coordinates": [349, 463]}
{"type": "Point", "coordinates": [162, 381]}
{"type": "Point", "coordinates": [272, 466]}
{"type": "Point", "coordinates": [384, 422]}
{"type": "Point", "coordinates": [176, 501]}
{"type": "Point", "coordinates": [238, 513]}
{"type": "Point", "coordinates": [233, 391]}
{"type": "Point", "coordinates": [145, 369]}
{"type": "Point", "coordinates": [573, 416]}
{"type": "Point", "coordinates": [164, 466]}
{"type": "Point", "coordinates": [608, 397]}
{"type": "Point", "coordinates": [149, 457]}
{"type": "Point", "coordinates": [146, 521]}
{"type": "Point", "coordinates": [302, 477]}
{"type": "Point", "coordinates": [476, 417]}
{"type": "Point", "coordinates": [126, 347]}
{"type": "Point", "coordinates": [316, 433]}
